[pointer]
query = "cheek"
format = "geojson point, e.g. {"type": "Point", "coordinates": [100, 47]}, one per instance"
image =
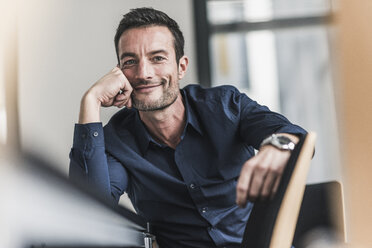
{"type": "Point", "coordinates": [168, 72]}
{"type": "Point", "coordinates": [129, 74]}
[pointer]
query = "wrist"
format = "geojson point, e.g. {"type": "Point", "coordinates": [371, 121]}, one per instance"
{"type": "Point", "coordinates": [90, 98]}
{"type": "Point", "coordinates": [279, 141]}
{"type": "Point", "coordinates": [89, 108]}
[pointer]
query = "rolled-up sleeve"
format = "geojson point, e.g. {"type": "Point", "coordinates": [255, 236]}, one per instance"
{"type": "Point", "coordinates": [257, 122]}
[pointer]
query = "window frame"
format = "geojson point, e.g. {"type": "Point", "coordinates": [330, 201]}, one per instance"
{"type": "Point", "coordinates": [205, 30]}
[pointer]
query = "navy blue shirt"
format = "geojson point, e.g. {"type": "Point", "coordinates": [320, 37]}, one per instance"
{"type": "Point", "coordinates": [188, 193]}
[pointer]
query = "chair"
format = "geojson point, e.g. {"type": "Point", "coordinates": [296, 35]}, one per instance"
{"type": "Point", "coordinates": [272, 224]}
{"type": "Point", "coordinates": [322, 213]}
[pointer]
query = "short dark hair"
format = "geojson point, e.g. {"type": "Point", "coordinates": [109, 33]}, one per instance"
{"type": "Point", "coordinates": [144, 17]}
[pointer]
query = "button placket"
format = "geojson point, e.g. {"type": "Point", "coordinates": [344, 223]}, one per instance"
{"type": "Point", "coordinates": [204, 210]}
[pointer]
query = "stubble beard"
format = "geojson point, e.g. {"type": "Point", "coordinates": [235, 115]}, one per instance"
{"type": "Point", "coordinates": [168, 98]}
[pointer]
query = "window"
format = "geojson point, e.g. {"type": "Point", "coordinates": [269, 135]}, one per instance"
{"type": "Point", "coordinates": [278, 52]}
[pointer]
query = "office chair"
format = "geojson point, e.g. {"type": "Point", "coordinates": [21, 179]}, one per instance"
{"type": "Point", "coordinates": [321, 215]}
{"type": "Point", "coordinates": [272, 223]}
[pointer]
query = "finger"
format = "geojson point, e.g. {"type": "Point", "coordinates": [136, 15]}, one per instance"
{"type": "Point", "coordinates": [244, 182]}
{"type": "Point", "coordinates": [276, 186]}
{"type": "Point", "coordinates": [256, 186]}
{"type": "Point", "coordinates": [121, 105]}
{"type": "Point", "coordinates": [263, 160]}
{"type": "Point", "coordinates": [125, 91]}
{"type": "Point", "coordinates": [122, 100]}
{"type": "Point", "coordinates": [127, 87]}
{"type": "Point", "coordinates": [124, 103]}
{"type": "Point", "coordinates": [118, 103]}
{"type": "Point", "coordinates": [108, 103]}
{"type": "Point", "coordinates": [121, 97]}
{"type": "Point", "coordinates": [265, 177]}
{"type": "Point", "coordinates": [268, 185]}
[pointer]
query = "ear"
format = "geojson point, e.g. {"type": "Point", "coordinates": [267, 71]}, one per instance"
{"type": "Point", "coordinates": [182, 67]}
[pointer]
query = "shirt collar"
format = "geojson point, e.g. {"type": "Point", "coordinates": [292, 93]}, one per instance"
{"type": "Point", "coordinates": [191, 116]}
{"type": "Point", "coordinates": [144, 138]}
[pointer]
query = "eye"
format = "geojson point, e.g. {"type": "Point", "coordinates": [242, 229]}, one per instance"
{"type": "Point", "coordinates": [128, 63]}
{"type": "Point", "coordinates": [158, 58]}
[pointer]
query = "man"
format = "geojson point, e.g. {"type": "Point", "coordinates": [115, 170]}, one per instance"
{"type": "Point", "coordinates": [185, 157]}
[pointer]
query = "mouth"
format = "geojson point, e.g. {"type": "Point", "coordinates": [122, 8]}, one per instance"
{"type": "Point", "coordinates": [146, 88]}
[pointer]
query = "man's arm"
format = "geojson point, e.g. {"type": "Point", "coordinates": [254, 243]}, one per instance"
{"type": "Point", "coordinates": [113, 89]}
{"type": "Point", "coordinates": [88, 160]}
{"type": "Point", "coordinates": [261, 175]}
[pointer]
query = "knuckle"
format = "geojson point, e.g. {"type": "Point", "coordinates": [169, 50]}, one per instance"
{"type": "Point", "coordinates": [262, 169]}
{"type": "Point", "coordinates": [242, 188]}
{"type": "Point", "coordinates": [250, 164]}
{"type": "Point", "coordinates": [275, 171]}
{"type": "Point", "coordinates": [276, 168]}
{"type": "Point", "coordinates": [274, 191]}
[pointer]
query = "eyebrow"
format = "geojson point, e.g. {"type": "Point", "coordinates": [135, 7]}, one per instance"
{"type": "Point", "coordinates": [129, 54]}
{"type": "Point", "coordinates": [123, 55]}
{"type": "Point", "coordinates": [158, 51]}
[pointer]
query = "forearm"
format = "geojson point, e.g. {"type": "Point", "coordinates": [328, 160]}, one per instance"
{"type": "Point", "coordinates": [89, 109]}
{"type": "Point", "coordinates": [258, 123]}
{"type": "Point", "coordinates": [88, 159]}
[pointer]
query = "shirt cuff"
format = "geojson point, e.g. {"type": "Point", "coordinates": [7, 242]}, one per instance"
{"type": "Point", "coordinates": [88, 135]}
{"type": "Point", "coordinates": [292, 129]}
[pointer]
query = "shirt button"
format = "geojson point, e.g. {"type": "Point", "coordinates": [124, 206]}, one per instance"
{"type": "Point", "coordinates": [95, 134]}
{"type": "Point", "coordinates": [192, 186]}
{"type": "Point", "coordinates": [204, 210]}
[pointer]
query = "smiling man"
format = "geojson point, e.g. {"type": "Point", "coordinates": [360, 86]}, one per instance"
{"type": "Point", "coordinates": [184, 156]}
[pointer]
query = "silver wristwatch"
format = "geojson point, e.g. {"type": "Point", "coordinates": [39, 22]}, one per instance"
{"type": "Point", "coordinates": [281, 142]}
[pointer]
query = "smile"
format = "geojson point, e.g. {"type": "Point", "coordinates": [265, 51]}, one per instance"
{"type": "Point", "coordinates": [146, 88]}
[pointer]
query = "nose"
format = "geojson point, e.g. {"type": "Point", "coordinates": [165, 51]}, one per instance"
{"type": "Point", "coordinates": [145, 71]}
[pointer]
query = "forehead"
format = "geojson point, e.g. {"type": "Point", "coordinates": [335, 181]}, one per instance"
{"type": "Point", "coordinates": [145, 39]}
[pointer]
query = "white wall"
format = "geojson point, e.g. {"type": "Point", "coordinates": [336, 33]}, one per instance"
{"type": "Point", "coordinates": [64, 47]}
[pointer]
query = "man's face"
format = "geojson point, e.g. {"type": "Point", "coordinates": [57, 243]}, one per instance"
{"type": "Point", "coordinates": [148, 60]}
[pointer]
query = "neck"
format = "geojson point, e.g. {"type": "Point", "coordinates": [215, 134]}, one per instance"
{"type": "Point", "coordinates": [166, 125]}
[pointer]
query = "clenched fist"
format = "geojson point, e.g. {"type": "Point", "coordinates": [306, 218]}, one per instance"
{"type": "Point", "coordinates": [113, 89]}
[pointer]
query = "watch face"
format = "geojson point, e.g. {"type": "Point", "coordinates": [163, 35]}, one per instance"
{"type": "Point", "coordinates": [283, 140]}
{"type": "Point", "coordinates": [279, 141]}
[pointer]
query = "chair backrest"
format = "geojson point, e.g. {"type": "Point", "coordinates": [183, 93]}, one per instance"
{"type": "Point", "coordinates": [272, 224]}
{"type": "Point", "coordinates": [322, 212]}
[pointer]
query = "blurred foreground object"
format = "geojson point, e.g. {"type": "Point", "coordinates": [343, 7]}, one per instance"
{"type": "Point", "coordinates": [354, 52]}
{"type": "Point", "coordinates": [40, 208]}
{"type": "Point", "coordinates": [9, 119]}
